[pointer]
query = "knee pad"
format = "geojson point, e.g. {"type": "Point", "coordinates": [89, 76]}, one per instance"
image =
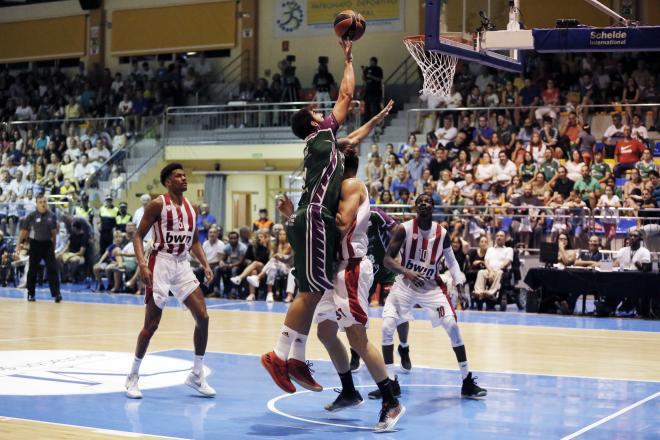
{"type": "Point", "coordinates": [451, 327]}
{"type": "Point", "coordinates": [389, 327]}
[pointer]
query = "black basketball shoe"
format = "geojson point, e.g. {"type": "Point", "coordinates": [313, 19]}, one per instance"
{"type": "Point", "coordinates": [404, 354]}
{"type": "Point", "coordinates": [470, 389]}
{"type": "Point", "coordinates": [355, 361]}
{"type": "Point", "coordinates": [343, 401]}
{"type": "Point", "coordinates": [396, 390]}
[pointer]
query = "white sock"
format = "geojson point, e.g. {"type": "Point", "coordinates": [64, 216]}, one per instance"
{"type": "Point", "coordinates": [283, 346]}
{"type": "Point", "coordinates": [391, 371]}
{"type": "Point", "coordinates": [465, 370]}
{"type": "Point", "coordinates": [198, 365]}
{"type": "Point", "coordinates": [298, 347]}
{"type": "Point", "coordinates": [403, 344]}
{"type": "Point", "coordinates": [135, 368]}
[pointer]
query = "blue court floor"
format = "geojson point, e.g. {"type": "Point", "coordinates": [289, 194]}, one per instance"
{"type": "Point", "coordinates": [248, 405]}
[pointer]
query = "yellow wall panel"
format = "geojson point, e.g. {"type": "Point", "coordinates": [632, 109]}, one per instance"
{"type": "Point", "coordinates": [174, 28]}
{"type": "Point", "coordinates": [62, 37]}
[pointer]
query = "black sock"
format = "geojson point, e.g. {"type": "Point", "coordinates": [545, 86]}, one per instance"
{"type": "Point", "coordinates": [385, 387]}
{"type": "Point", "coordinates": [354, 354]}
{"type": "Point", "coordinates": [388, 354]}
{"type": "Point", "coordinates": [347, 386]}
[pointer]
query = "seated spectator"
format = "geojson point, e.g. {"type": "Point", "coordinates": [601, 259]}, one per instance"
{"type": "Point", "coordinates": [431, 144]}
{"type": "Point", "coordinates": [426, 178]}
{"type": "Point", "coordinates": [627, 153]}
{"type": "Point", "coordinates": [128, 264]}
{"type": "Point", "coordinates": [509, 98]}
{"type": "Point", "coordinates": [498, 258]}
{"type": "Point", "coordinates": [385, 198]}
{"type": "Point", "coordinates": [82, 171]}
{"type": "Point", "coordinates": [214, 250]}
{"type": "Point", "coordinates": [417, 164]}
{"type": "Point", "coordinates": [587, 185]}
{"type": "Point", "coordinates": [460, 143]}
{"type": "Point", "coordinates": [526, 132]}
{"type": "Point", "coordinates": [490, 98]}
{"type": "Point", "coordinates": [473, 99]}
{"type": "Point", "coordinates": [119, 139]}
{"type": "Point", "coordinates": [232, 263]}
{"type": "Point", "coordinates": [485, 173]}
{"type": "Point", "coordinates": [467, 128]}
{"type": "Point", "coordinates": [505, 170]}
{"type": "Point", "coordinates": [600, 170]}
{"type": "Point", "coordinates": [537, 147]}
{"type": "Point", "coordinates": [461, 166]}
{"type": "Point", "coordinates": [445, 184]}
{"type": "Point", "coordinates": [612, 135]}
{"type": "Point", "coordinates": [574, 166]}
{"type": "Point", "coordinates": [278, 265]}
{"type": "Point", "coordinates": [475, 260]}
{"type": "Point", "coordinates": [108, 262]}
{"type": "Point", "coordinates": [406, 149]}
{"type": "Point", "coordinates": [633, 187]}
{"type": "Point", "coordinates": [447, 132]}
{"type": "Point", "coordinates": [569, 135]}
{"type": "Point", "coordinates": [401, 182]}
{"type": "Point", "coordinates": [550, 98]}
{"type": "Point", "coordinates": [392, 169]}
{"type": "Point", "coordinates": [561, 184]}
{"type": "Point", "coordinates": [646, 164]}
{"type": "Point", "coordinates": [74, 253]}
{"type": "Point", "coordinates": [256, 258]}
{"type": "Point", "coordinates": [375, 172]}
{"type": "Point", "coordinates": [591, 257]}
{"type": "Point", "coordinates": [638, 131]}
{"type": "Point", "coordinates": [483, 132]}
{"type": "Point", "coordinates": [204, 221]}
{"type": "Point", "coordinates": [439, 163]}
{"type": "Point", "coordinates": [467, 186]}
{"type": "Point", "coordinates": [528, 168]}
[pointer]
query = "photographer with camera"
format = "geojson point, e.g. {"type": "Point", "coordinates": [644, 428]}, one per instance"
{"type": "Point", "coordinates": [372, 76]}
{"type": "Point", "coordinates": [323, 81]}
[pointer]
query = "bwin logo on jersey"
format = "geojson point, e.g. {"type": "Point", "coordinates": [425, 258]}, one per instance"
{"type": "Point", "coordinates": [171, 238]}
{"type": "Point", "coordinates": [428, 272]}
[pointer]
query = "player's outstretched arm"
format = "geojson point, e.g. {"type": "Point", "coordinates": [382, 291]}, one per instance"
{"type": "Point", "coordinates": [398, 238]}
{"type": "Point", "coordinates": [352, 194]}
{"type": "Point", "coordinates": [347, 86]}
{"type": "Point", "coordinates": [355, 137]}
{"type": "Point", "coordinates": [151, 215]}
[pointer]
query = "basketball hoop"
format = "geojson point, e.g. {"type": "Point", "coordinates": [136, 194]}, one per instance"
{"type": "Point", "coordinates": [438, 68]}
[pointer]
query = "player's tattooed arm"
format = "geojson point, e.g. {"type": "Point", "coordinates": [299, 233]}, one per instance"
{"type": "Point", "coordinates": [398, 238]}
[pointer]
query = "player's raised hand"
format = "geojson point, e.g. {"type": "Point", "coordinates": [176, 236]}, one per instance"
{"type": "Point", "coordinates": [385, 111]}
{"type": "Point", "coordinates": [347, 46]}
{"type": "Point", "coordinates": [284, 205]}
{"type": "Point", "coordinates": [145, 275]}
{"type": "Point", "coordinates": [416, 277]}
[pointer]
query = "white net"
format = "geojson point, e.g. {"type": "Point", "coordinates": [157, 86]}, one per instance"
{"type": "Point", "coordinates": [437, 68]}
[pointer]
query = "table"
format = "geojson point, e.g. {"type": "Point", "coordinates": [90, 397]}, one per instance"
{"type": "Point", "coordinates": [589, 281]}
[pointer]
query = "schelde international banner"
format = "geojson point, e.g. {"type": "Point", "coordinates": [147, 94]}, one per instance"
{"type": "Point", "coordinates": [300, 18]}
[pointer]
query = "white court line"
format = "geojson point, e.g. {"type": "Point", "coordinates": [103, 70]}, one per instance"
{"type": "Point", "coordinates": [217, 306]}
{"type": "Point", "coordinates": [610, 417]}
{"type": "Point", "coordinates": [94, 335]}
{"type": "Point", "coordinates": [271, 405]}
{"type": "Point", "coordinates": [101, 431]}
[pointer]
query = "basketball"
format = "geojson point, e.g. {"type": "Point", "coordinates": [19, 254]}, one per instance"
{"type": "Point", "coordinates": [350, 25]}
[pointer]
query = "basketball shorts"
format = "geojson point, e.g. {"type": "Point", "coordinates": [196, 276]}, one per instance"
{"type": "Point", "coordinates": [401, 300]}
{"type": "Point", "coordinates": [348, 302]}
{"type": "Point", "coordinates": [170, 274]}
{"type": "Point", "coordinates": [312, 234]}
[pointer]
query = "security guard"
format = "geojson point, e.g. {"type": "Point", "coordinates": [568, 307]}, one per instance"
{"type": "Point", "coordinates": [123, 217]}
{"type": "Point", "coordinates": [108, 216]}
{"type": "Point", "coordinates": [41, 227]}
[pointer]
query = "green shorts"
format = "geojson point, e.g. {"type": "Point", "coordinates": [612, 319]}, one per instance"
{"type": "Point", "coordinates": [313, 236]}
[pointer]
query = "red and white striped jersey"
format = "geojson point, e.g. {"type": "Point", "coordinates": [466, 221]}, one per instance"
{"type": "Point", "coordinates": [355, 242]}
{"type": "Point", "coordinates": [422, 252]}
{"type": "Point", "coordinates": [173, 231]}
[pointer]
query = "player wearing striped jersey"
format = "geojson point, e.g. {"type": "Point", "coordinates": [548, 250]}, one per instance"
{"type": "Point", "coordinates": [311, 229]}
{"type": "Point", "coordinates": [381, 226]}
{"type": "Point", "coordinates": [421, 243]}
{"type": "Point", "coordinates": [346, 304]}
{"type": "Point", "coordinates": [172, 219]}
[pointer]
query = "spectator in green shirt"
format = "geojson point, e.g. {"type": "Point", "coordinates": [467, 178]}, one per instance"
{"type": "Point", "coordinates": [646, 164]}
{"type": "Point", "coordinates": [548, 166]}
{"type": "Point", "coordinates": [600, 170]}
{"type": "Point", "coordinates": [587, 185]}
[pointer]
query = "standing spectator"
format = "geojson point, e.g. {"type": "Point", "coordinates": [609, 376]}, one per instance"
{"type": "Point", "coordinates": [263, 222]}
{"type": "Point", "coordinates": [612, 135]}
{"type": "Point", "coordinates": [632, 94]}
{"type": "Point", "coordinates": [609, 202]}
{"type": "Point", "coordinates": [108, 219]}
{"type": "Point", "coordinates": [323, 82]}
{"type": "Point", "coordinates": [41, 228]}
{"type": "Point", "coordinates": [626, 153]}
{"type": "Point", "coordinates": [587, 144]}
{"type": "Point", "coordinates": [373, 93]}
{"type": "Point", "coordinates": [529, 96]}
{"type": "Point", "coordinates": [204, 221]}
{"type": "Point", "coordinates": [123, 217]}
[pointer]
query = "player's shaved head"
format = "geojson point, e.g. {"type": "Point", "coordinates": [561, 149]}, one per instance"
{"type": "Point", "coordinates": [424, 197]}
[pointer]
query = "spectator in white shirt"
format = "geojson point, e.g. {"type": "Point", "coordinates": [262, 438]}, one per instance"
{"type": "Point", "coordinates": [638, 132]}
{"type": "Point", "coordinates": [504, 169]}
{"type": "Point", "coordinates": [447, 132]}
{"type": "Point", "coordinates": [119, 139]}
{"type": "Point", "coordinates": [485, 173]}
{"type": "Point", "coordinates": [98, 155]}
{"type": "Point", "coordinates": [117, 83]}
{"type": "Point", "coordinates": [24, 112]}
{"type": "Point", "coordinates": [635, 256]}
{"type": "Point", "coordinates": [25, 167]}
{"type": "Point", "coordinates": [214, 250]}
{"type": "Point", "coordinates": [83, 170]}
{"type": "Point", "coordinates": [139, 213]}
{"type": "Point", "coordinates": [497, 259]}
{"type": "Point", "coordinates": [19, 186]}
{"type": "Point", "coordinates": [614, 133]}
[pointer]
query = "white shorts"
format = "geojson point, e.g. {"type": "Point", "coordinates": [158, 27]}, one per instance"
{"type": "Point", "coordinates": [170, 274]}
{"type": "Point", "coordinates": [348, 302]}
{"type": "Point", "coordinates": [401, 300]}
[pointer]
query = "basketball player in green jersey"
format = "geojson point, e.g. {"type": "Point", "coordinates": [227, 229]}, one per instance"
{"type": "Point", "coordinates": [311, 229]}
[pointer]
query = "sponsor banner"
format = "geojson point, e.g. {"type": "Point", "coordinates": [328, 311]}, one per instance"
{"type": "Point", "coordinates": [67, 372]}
{"type": "Point", "coordinates": [300, 18]}
{"type": "Point", "coordinates": [617, 39]}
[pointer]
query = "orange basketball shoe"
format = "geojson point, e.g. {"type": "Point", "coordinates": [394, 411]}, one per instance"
{"type": "Point", "coordinates": [277, 368]}
{"type": "Point", "coordinates": [301, 373]}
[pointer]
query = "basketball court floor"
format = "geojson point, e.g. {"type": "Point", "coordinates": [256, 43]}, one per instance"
{"type": "Point", "coordinates": [62, 370]}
